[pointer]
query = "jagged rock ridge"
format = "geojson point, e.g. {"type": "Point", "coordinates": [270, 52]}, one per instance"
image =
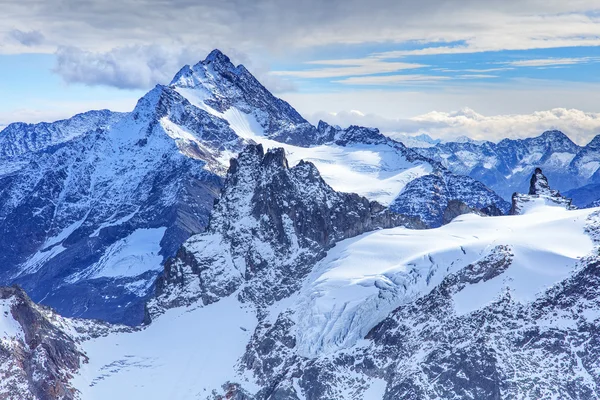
{"type": "Point", "coordinates": [270, 226]}
{"type": "Point", "coordinates": [37, 358]}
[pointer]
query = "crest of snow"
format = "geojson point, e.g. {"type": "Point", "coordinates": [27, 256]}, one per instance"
{"type": "Point", "coordinates": [65, 233]}
{"type": "Point", "coordinates": [363, 279]}
{"type": "Point", "coordinates": [50, 249]}
{"type": "Point", "coordinates": [464, 139]}
{"type": "Point", "coordinates": [419, 141]}
{"type": "Point", "coordinates": [128, 257]}
{"type": "Point", "coordinates": [114, 222]}
{"type": "Point", "coordinates": [185, 354]}
{"type": "Point", "coordinates": [560, 159]}
{"type": "Point", "coordinates": [541, 204]}
{"type": "Point", "coordinates": [532, 158]}
{"type": "Point", "coordinates": [20, 138]}
{"type": "Point", "coordinates": [589, 168]}
{"type": "Point", "coordinates": [377, 172]}
{"type": "Point", "coordinates": [10, 329]}
{"type": "Point", "coordinates": [37, 260]}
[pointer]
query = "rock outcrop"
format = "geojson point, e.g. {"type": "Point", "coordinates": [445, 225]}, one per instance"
{"type": "Point", "coordinates": [37, 358]}
{"type": "Point", "coordinates": [539, 193]}
{"type": "Point", "coordinates": [456, 208]}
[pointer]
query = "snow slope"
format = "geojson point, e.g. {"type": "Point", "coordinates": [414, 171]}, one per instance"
{"type": "Point", "coordinates": [185, 354]}
{"type": "Point", "coordinates": [363, 279]}
{"type": "Point", "coordinates": [378, 172]}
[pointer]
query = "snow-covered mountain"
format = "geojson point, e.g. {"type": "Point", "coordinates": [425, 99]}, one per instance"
{"type": "Point", "coordinates": [506, 166]}
{"type": "Point", "coordinates": [88, 217]}
{"type": "Point", "coordinates": [293, 293]}
{"type": "Point", "coordinates": [91, 207]}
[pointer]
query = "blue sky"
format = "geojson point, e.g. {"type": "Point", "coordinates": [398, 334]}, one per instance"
{"type": "Point", "coordinates": [389, 60]}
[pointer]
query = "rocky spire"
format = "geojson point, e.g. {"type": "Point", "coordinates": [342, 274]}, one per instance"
{"type": "Point", "coordinates": [538, 185]}
{"type": "Point", "coordinates": [37, 356]}
{"type": "Point", "coordinates": [539, 190]}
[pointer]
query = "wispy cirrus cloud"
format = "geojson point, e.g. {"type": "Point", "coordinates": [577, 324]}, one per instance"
{"type": "Point", "coordinates": [545, 62]}
{"type": "Point", "coordinates": [385, 80]}
{"type": "Point", "coordinates": [391, 79]}
{"type": "Point", "coordinates": [349, 67]}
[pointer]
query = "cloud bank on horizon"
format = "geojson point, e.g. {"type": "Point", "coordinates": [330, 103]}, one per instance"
{"type": "Point", "coordinates": [392, 60]}
{"type": "Point", "coordinates": [580, 126]}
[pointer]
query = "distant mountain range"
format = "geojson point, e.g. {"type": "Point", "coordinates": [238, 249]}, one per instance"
{"type": "Point", "coordinates": [507, 165]}
{"type": "Point", "coordinates": [231, 250]}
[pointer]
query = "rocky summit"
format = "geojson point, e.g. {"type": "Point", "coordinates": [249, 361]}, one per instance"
{"type": "Point", "coordinates": [268, 229]}
{"type": "Point", "coordinates": [539, 193]}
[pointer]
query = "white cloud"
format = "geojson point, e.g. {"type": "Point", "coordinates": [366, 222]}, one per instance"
{"type": "Point", "coordinates": [580, 126]}
{"type": "Point", "coordinates": [391, 79]}
{"type": "Point", "coordinates": [125, 67]}
{"type": "Point", "coordinates": [349, 67]}
{"type": "Point", "coordinates": [156, 35]}
{"type": "Point", "coordinates": [142, 67]}
{"type": "Point", "coordinates": [544, 62]}
{"type": "Point", "coordinates": [288, 24]}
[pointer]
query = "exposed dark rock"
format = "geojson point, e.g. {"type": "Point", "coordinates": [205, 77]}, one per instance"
{"type": "Point", "coordinates": [274, 223]}
{"type": "Point", "coordinates": [456, 208]}
{"type": "Point", "coordinates": [40, 364]}
{"type": "Point", "coordinates": [538, 189]}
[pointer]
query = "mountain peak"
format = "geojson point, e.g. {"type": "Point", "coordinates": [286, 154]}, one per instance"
{"type": "Point", "coordinates": [200, 73]}
{"type": "Point", "coordinates": [555, 134]}
{"type": "Point", "coordinates": [594, 143]}
{"type": "Point", "coordinates": [217, 56]}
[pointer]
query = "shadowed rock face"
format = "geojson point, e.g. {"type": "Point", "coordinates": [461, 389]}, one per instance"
{"type": "Point", "coordinates": [456, 208]}
{"type": "Point", "coordinates": [40, 360]}
{"type": "Point", "coordinates": [71, 211]}
{"type": "Point", "coordinates": [538, 189]}
{"type": "Point", "coordinates": [271, 225]}
{"type": "Point", "coordinates": [538, 185]}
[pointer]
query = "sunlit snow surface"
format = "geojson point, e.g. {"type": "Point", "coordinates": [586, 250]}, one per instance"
{"type": "Point", "coordinates": [363, 279]}
{"type": "Point", "coordinates": [188, 352]}
{"type": "Point", "coordinates": [377, 172]}
{"type": "Point", "coordinates": [185, 354]}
